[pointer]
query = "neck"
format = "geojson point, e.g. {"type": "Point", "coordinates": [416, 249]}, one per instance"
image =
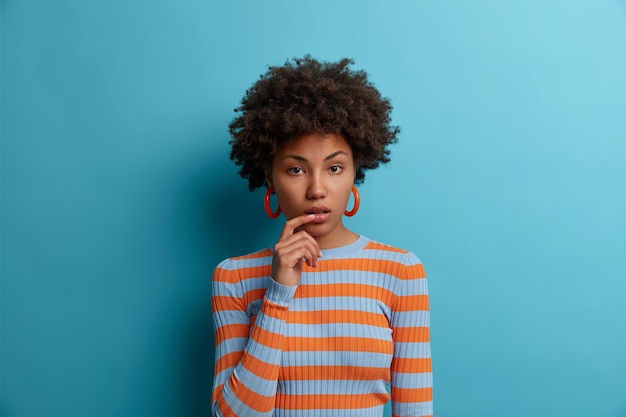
{"type": "Point", "coordinates": [343, 237]}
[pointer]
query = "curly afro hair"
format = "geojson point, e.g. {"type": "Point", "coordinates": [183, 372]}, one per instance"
{"type": "Point", "coordinates": [308, 96]}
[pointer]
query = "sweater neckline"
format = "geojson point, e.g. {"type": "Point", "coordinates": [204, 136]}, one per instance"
{"type": "Point", "coordinates": [342, 251]}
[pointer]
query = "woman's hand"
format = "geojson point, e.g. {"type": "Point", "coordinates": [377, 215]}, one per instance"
{"type": "Point", "coordinates": [292, 247]}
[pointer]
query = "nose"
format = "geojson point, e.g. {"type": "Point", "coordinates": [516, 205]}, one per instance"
{"type": "Point", "coordinates": [316, 188]}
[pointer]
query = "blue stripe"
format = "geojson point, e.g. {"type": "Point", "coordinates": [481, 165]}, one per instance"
{"type": "Point", "coordinates": [376, 411]}
{"type": "Point", "coordinates": [412, 350]}
{"type": "Point", "coordinates": [369, 305]}
{"type": "Point", "coordinates": [238, 407]}
{"type": "Point", "coordinates": [351, 276]}
{"type": "Point", "coordinates": [257, 384]}
{"type": "Point", "coordinates": [240, 287]}
{"type": "Point", "coordinates": [338, 330]}
{"type": "Point", "coordinates": [409, 381]}
{"type": "Point", "coordinates": [248, 262]}
{"type": "Point", "coordinates": [226, 317]}
{"type": "Point", "coordinates": [413, 409]}
{"type": "Point", "coordinates": [321, 387]}
{"type": "Point", "coordinates": [332, 358]}
{"type": "Point", "coordinates": [270, 324]}
{"type": "Point", "coordinates": [415, 318]}
{"type": "Point", "coordinates": [223, 376]}
{"type": "Point", "coordinates": [235, 344]}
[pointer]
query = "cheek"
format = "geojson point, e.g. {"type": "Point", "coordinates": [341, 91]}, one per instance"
{"type": "Point", "coordinates": [347, 197]}
{"type": "Point", "coordinates": [286, 196]}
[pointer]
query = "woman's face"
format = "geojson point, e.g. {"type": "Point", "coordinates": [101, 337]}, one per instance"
{"type": "Point", "coordinates": [315, 174]}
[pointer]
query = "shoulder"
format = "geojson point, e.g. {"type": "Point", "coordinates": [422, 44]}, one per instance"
{"type": "Point", "coordinates": [404, 262]}
{"type": "Point", "coordinates": [383, 250]}
{"type": "Point", "coordinates": [238, 267]}
{"type": "Point", "coordinates": [254, 258]}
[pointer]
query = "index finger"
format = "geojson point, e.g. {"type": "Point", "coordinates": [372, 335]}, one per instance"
{"type": "Point", "coordinates": [292, 224]}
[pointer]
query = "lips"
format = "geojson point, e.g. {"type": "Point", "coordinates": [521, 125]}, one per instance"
{"type": "Point", "coordinates": [322, 214]}
{"type": "Point", "coordinates": [318, 210]}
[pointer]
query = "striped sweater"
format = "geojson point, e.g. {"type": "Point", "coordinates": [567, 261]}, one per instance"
{"type": "Point", "coordinates": [329, 346]}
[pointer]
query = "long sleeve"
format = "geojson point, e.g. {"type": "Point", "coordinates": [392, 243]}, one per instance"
{"type": "Point", "coordinates": [411, 368]}
{"type": "Point", "coordinates": [248, 349]}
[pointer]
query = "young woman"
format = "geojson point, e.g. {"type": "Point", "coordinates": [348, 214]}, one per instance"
{"type": "Point", "coordinates": [322, 322]}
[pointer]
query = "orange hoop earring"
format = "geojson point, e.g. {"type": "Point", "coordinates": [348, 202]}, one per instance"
{"type": "Point", "coordinates": [357, 203]}
{"type": "Point", "coordinates": [268, 207]}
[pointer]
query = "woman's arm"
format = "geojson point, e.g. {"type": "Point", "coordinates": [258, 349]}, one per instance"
{"type": "Point", "coordinates": [411, 367]}
{"type": "Point", "coordinates": [247, 357]}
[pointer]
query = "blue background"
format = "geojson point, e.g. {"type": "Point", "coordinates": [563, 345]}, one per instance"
{"type": "Point", "coordinates": [118, 198]}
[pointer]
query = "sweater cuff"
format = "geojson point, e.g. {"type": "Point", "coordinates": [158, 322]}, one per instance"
{"type": "Point", "coordinates": [280, 294]}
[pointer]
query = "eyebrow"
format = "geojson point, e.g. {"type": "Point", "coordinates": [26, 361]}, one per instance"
{"type": "Point", "coordinates": [329, 157]}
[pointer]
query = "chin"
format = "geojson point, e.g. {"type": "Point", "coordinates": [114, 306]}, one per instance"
{"type": "Point", "coordinates": [317, 229]}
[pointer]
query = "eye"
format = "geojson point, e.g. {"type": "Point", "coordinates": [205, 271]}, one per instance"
{"type": "Point", "coordinates": [335, 169]}
{"type": "Point", "coordinates": [295, 170]}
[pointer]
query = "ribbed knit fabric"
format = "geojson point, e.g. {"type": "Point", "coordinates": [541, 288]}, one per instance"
{"type": "Point", "coordinates": [329, 346]}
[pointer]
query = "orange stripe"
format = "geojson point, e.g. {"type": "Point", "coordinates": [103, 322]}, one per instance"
{"type": "Point", "coordinates": [254, 295]}
{"type": "Point", "coordinates": [240, 274]}
{"type": "Point", "coordinates": [231, 330]}
{"type": "Point", "coordinates": [224, 408]}
{"type": "Point", "coordinates": [411, 303]}
{"type": "Point", "coordinates": [252, 364]}
{"type": "Point", "coordinates": [357, 264]}
{"type": "Point", "coordinates": [255, 401]}
{"type": "Point", "coordinates": [411, 334]}
{"type": "Point", "coordinates": [406, 395]}
{"type": "Point", "coordinates": [382, 266]}
{"type": "Point", "coordinates": [344, 290]}
{"type": "Point", "coordinates": [267, 338]}
{"type": "Point", "coordinates": [260, 368]}
{"type": "Point", "coordinates": [414, 271]}
{"type": "Point", "coordinates": [381, 246]}
{"type": "Point", "coordinates": [346, 344]}
{"type": "Point", "coordinates": [329, 373]}
{"type": "Point", "coordinates": [259, 254]}
{"type": "Point", "coordinates": [412, 365]}
{"type": "Point", "coordinates": [332, 401]}
{"type": "Point", "coordinates": [224, 302]}
{"type": "Point", "coordinates": [228, 360]}
{"type": "Point", "coordinates": [274, 310]}
{"type": "Point", "coordinates": [216, 391]}
{"type": "Point", "coordinates": [337, 316]}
